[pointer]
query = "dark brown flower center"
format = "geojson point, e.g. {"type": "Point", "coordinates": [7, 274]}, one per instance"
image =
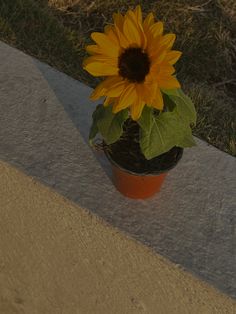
{"type": "Point", "coordinates": [134, 65]}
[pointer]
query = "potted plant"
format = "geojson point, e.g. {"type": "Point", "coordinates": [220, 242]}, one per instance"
{"type": "Point", "coordinates": [145, 119]}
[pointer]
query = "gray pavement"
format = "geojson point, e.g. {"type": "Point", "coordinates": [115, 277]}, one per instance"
{"type": "Point", "coordinates": [44, 122]}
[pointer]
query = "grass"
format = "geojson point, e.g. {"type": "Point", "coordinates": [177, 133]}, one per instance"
{"type": "Point", "coordinates": [56, 32]}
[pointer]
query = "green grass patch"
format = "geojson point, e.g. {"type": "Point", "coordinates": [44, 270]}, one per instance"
{"type": "Point", "coordinates": [56, 32]}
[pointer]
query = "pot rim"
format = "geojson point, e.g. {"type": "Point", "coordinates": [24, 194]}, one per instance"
{"type": "Point", "coordinates": [154, 173]}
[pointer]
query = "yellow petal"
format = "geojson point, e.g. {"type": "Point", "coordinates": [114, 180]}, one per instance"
{"type": "Point", "coordinates": [93, 49]}
{"type": "Point", "coordinates": [113, 80]}
{"type": "Point", "coordinates": [102, 59]}
{"type": "Point", "coordinates": [107, 45]}
{"type": "Point", "coordinates": [157, 29]}
{"type": "Point", "coordinates": [157, 57]}
{"type": "Point", "coordinates": [131, 32]}
{"type": "Point", "coordinates": [154, 46]}
{"type": "Point", "coordinates": [168, 82]}
{"type": "Point", "coordinates": [138, 19]}
{"type": "Point", "coordinates": [131, 15]}
{"type": "Point", "coordinates": [149, 88]}
{"type": "Point", "coordinates": [108, 101]}
{"type": "Point", "coordinates": [116, 88]}
{"type": "Point", "coordinates": [98, 91]}
{"type": "Point", "coordinates": [118, 29]}
{"type": "Point", "coordinates": [136, 109]}
{"type": "Point", "coordinates": [111, 86]}
{"type": "Point", "coordinates": [166, 70]}
{"type": "Point", "coordinates": [158, 100]}
{"type": "Point", "coordinates": [138, 14]}
{"type": "Point", "coordinates": [101, 69]}
{"type": "Point", "coordinates": [168, 40]}
{"type": "Point", "coordinates": [127, 98]}
{"type": "Point", "coordinates": [173, 56]}
{"type": "Point", "coordinates": [122, 39]}
{"type": "Point", "coordinates": [140, 38]}
{"type": "Point", "coordinates": [149, 21]}
{"type": "Point", "coordinates": [107, 29]}
{"type": "Point", "coordinates": [110, 32]}
{"type": "Point", "coordinates": [141, 91]}
{"type": "Point", "coordinates": [118, 20]}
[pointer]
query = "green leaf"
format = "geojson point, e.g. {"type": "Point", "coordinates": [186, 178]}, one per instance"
{"type": "Point", "coordinates": [184, 105]}
{"type": "Point", "coordinates": [110, 125]}
{"type": "Point", "coordinates": [169, 104]}
{"type": "Point", "coordinates": [97, 114]}
{"type": "Point", "coordinates": [187, 141]}
{"type": "Point", "coordinates": [159, 134]}
{"type": "Point", "coordinates": [172, 92]}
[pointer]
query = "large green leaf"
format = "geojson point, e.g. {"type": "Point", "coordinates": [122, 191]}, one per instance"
{"type": "Point", "coordinates": [159, 134]}
{"type": "Point", "coordinates": [172, 92]}
{"type": "Point", "coordinates": [184, 105]}
{"type": "Point", "coordinates": [169, 104]}
{"type": "Point", "coordinates": [108, 124]}
{"type": "Point", "coordinates": [97, 114]}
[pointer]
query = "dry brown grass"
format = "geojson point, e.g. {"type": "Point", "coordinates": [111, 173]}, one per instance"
{"type": "Point", "coordinates": [206, 33]}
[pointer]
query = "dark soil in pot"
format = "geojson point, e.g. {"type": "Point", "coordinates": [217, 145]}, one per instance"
{"type": "Point", "coordinates": [126, 153]}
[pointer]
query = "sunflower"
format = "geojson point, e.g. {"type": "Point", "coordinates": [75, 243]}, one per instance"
{"type": "Point", "coordinates": [137, 60]}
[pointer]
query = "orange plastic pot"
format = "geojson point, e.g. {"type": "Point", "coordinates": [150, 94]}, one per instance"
{"type": "Point", "coordinates": [135, 185]}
